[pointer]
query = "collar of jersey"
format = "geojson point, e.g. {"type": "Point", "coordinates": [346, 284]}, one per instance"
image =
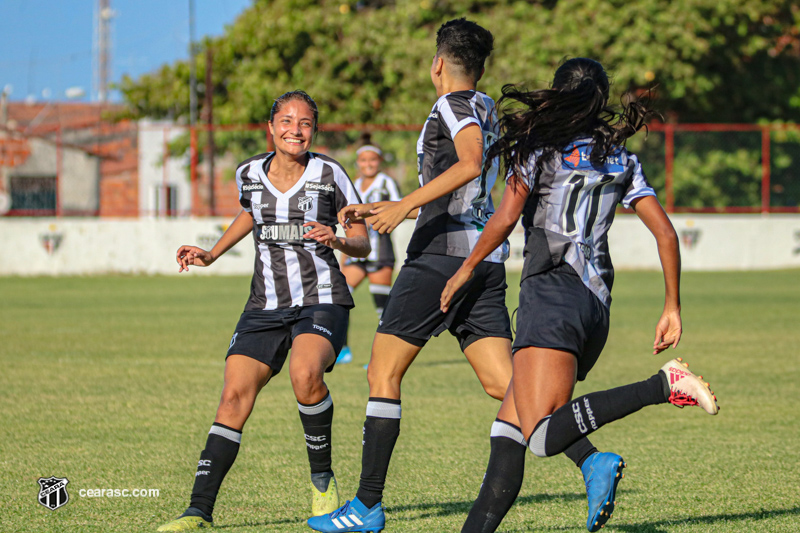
{"type": "Point", "coordinates": [263, 169]}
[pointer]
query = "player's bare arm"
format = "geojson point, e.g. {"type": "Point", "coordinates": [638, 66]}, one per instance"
{"type": "Point", "coordinates": [241, 226]}
{"type": "Point", "coordinates": [669, 327]}
{"type": "Point", "coordinates": [496, 231]}
{"type": "Point", "coordinates": [355, 243]}
{"type": "Point", "coordinates": [469, 149]}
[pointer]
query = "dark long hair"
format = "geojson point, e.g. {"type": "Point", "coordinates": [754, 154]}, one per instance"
{"type": "Point", "coordinates": [550, 119]}
{"type": "Point", "coordinates": [295, 95]}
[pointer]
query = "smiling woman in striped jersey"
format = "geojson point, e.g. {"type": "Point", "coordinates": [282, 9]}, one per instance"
{"type": "Point", "coordinates": [298, 302]}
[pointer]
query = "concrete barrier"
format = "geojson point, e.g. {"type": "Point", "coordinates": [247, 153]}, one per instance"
{"type": "Point", "coordinates": [67, 246]}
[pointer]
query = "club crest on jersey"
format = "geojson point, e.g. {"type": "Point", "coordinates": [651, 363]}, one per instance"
{"type": "Point", "coordinates": [305, 203]}
{"type": "Point", "coordinates": [53, 492]}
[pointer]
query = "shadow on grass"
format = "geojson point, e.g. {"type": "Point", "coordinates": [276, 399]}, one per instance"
{"type": "Point", "coordinates": [451, 508]}
{"type": "Point", "coordinates": [664, 526]}
{"type": "Point", "coordinates": [425, 510]}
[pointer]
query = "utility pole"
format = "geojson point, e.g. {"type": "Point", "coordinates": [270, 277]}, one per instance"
{"type": "Point", "coordinates": [102, 67]}
{"type": "Point", "coordinates": [192, 70]}
{"type": "Point", "coordinates": [209, 112]}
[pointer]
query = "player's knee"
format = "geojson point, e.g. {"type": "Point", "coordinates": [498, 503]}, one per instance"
{"type": "Point", "coordinates": [495, 387]}
{"type": "Point", "coordinates": [383, 381]}
{"type": "Point", "coordinates": [234, 402]}
{"type": "Point", "coordinates": [306, 384]}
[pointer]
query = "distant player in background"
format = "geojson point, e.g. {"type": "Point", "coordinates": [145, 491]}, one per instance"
{"type": "Point", "coordinates": [568, 170]}
{"type": "Point", "coordinates": [454, 204]}
{"type": "Point", "coordinates": [298, 301]}
{"type": "Point", "coordinates": [373, 186]}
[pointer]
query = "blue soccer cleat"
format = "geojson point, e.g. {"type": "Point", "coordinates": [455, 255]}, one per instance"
{"type": "Point", "coordinates": [345, 356]}
{"type": "Point", "coordinates": [601, 473]}
{"type": "Point", "coordinates": [352, 516]}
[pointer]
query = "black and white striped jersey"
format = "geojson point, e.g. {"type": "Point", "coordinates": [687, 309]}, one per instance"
{"type": "Point", "coordinates": [451, 225]}
{"type": "Point", "coordinates": [291, 271]}
{"type": "Point", "coordinates": [570, 210]}
{"type": "Point", "coordinates": [382, 188]}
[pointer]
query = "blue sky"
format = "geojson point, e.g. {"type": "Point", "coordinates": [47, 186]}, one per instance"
{"type": "Point", "coordinates": [46, 45]}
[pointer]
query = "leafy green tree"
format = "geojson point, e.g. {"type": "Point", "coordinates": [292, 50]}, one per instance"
{"type": "Point", "coordinates": [368, 61]}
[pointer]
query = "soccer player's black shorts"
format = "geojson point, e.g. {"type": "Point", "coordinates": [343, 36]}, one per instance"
{"type": "Point", "coordinates": [556, 310]}
{"type": "Point", "coordinates": [478, 309]}
{"type": "Point", "coordinates": [267, 336]}
{"type": "Point", "coordinates": [369, 267]}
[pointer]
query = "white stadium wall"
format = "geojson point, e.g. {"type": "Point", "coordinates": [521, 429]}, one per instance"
{"type": "Point", "coordinates": [34, 247]}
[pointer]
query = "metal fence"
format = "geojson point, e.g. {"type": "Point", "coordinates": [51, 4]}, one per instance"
{"type": "Point", "coordinates": [163, 169]}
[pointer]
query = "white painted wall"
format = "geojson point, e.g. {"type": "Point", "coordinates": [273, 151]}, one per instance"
{"type": "Point", "coordinates": [147, 246]}
{"type": "Point", "coordinates": [155, 172]}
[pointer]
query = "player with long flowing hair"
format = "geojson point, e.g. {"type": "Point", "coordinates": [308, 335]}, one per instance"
{"type": "Point", "coordinates": [568, 169]}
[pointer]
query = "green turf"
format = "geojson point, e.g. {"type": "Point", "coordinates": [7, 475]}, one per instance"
{"type": "Point", "coordinates": [113, 382]}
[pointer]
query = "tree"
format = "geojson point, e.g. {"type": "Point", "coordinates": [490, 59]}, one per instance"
{"type": "Point", "coordinates": [367, 61]}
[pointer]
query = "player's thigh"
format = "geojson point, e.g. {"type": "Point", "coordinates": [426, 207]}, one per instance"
{"type": "Point", "coordinates": [354, 274]}
{"type": "Point", "coordinates": [391, 357]}
{"type": "Point", "coordinates": [311, 356]}
{"type": "Point", "coordinates": [318, 334]}
{"type": "Point", "coordinates": [245, 375]}
{"type": "Point", "coordinates": [544, 380]}
{"type": "Point", "coordinates": [490, 357]}
{"type": "Point", "coordinates": [382, 276]}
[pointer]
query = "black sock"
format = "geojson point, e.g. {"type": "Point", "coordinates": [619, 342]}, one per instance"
{"type": "Point", "coordinates": [584, 415]}
{"type": "Point", "coordinates": [380, 295]}
{"type": "Point", "coordinates": [381, 430]}
{"type": "Point", "coordinates": [215, 461]}
{"type": "Point", "coordinates": [502, 480]}
{"type": "Point", "coordinates": [317, 420]}
{"type": "Point", "coordinates": [580, 451]}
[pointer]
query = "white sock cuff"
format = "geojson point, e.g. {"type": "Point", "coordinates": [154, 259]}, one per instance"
{"type": "Point", "coordinates": [378, 409]}
{"type": "Point", "coordinates": [316, 409]}
{"type": "Point", "coordinates": [379, 289]}
{"type": "Point", "coordinates": [504, 429]}
{"type": "Point", "coordinates": [230, 434]}
{"type": "Point", "coordinates": [536, 445]}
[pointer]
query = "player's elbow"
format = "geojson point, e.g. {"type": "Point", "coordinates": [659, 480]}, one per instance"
{"type": "Point", "coordinates": [666, 237]}
{"type": "Point", "coordinates": [362, 248]}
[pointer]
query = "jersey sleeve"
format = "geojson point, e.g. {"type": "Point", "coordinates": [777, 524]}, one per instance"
{"type": "Point", "coordinates": [456, 113]}
{"type": "Point", "coordinates": [346, 193]}
{"type": "Point", "coordinates": [241, 176]}
{"type": "Point", "coordinates": [526, 174]}
{"type": "Point", "coordinates": [394, 192]}
{"type": "Point", "coordinates": [637, 185]}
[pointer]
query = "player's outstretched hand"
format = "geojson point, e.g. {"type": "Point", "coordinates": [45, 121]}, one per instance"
{"type": "Point", "coordinates": [194, 256]}
{"type": "Point", "coordinates": [321, 233]}
{"type": "Point", "coordinates": [668, 330]}
{"type": "Point", "coordinates": [388, 216]}
{"type": "Point", "coordinates": [351, 213]}
{"type": "Point", "coordinates": [458, 280]}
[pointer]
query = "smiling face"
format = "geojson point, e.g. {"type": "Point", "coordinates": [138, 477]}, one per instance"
{"type": "Point", "coordinates": [369, 164]}
{"type": "Point", "coordinates": [292, 128]}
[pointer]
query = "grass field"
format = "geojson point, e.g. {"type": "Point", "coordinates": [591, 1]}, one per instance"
{"type": "Point", "coordinates": [113, 383]}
